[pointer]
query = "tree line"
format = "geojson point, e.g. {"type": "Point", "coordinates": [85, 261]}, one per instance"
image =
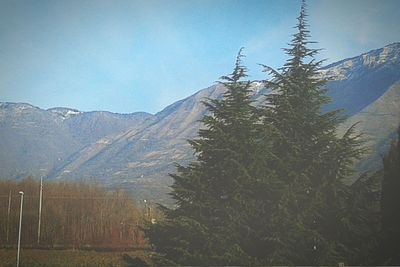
{"type": "Point", "coordinates": [268, 185]}
{"type": "Point", "coordinates": [74, 215]}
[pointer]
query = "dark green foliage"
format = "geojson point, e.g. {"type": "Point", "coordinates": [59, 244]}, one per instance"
{"type": "Point", "coordinates": [361, 218]}
{"type": "Point", "coordinates": [133, 261]}
{"type": "Point", "coordinates": [390, 206]}
{"type": "Point", "coordinates": [211, 194]}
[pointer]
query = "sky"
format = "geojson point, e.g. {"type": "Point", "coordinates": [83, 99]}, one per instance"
{"type": "Point", "coordinates": [142, 55]}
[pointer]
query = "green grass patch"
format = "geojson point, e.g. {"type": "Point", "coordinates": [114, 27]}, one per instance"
{"type": "Point", "coordinates": [66, 258]}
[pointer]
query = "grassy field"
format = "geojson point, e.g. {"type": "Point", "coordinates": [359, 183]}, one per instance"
{"type": "Point", "coordinates": [66, 258]}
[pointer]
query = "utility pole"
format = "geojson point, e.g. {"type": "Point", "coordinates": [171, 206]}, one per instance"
{"type": "Point", "coordinates": [20, 225]}
{"type": "Point", "coordinates": [40, 208]}
{"type": "Point", "coordinates": [8, 215]}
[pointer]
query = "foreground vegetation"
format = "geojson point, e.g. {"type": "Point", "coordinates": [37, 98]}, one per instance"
{"type": "Point", "coordinates": [69, 258]}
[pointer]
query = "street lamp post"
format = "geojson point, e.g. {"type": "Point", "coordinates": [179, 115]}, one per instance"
{"type": "Point", "coordinates": [146, 210]}
{"type": "Point", "coordinates": [20, 225]}
{"type": "Point", "coordinates": [40, 208]}
{"type": "Point", "coordinates": [8, 216]}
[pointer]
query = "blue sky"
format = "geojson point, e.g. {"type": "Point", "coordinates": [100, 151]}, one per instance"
{"type": "Point", "coordinates": [127, 56]}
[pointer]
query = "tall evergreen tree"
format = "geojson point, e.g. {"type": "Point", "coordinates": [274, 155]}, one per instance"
{"type": "Point", "coordinates": [212, 193]}
{"type": "Point", "coordinates": [307, 225]}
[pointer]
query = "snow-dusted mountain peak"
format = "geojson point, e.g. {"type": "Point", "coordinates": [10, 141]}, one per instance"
{"type": "Point", "coordinates": [65, 112]}
{"type": "Point", "coordinates": [388, 54]}
{"type": "Point", "coordinates": [342, 70]}
{"type": "Point", "coordinates": [15, 106]}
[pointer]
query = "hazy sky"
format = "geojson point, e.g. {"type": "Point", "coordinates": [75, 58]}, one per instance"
{"type": "Point", "coordinates": [127, 56]}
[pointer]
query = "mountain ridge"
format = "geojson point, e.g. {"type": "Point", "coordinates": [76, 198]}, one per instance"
{"type": "Point", "coordinates": [136, 151]}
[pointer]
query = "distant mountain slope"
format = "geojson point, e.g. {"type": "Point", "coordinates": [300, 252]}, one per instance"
{"type": "Point", "coordinates": [378, 123]}
{"type": "Point", "coordinates": [33, 141]}
{"type": "Point", "coordinates": [89, 127]}
{"type": "Point", "coordinates": [140, 159]}
{"type": "Point", "coordinates": [137, 151]}
{"type": "Point", "coordinates": [359, 81]}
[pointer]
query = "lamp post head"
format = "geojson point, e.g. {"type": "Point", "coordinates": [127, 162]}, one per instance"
{"type": "Point", "coordinates": [21, 192]}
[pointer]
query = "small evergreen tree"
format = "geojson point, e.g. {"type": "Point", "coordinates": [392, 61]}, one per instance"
{"type": "Point", "coordinates": [208, 227]}
{"type": "Point", "coordinates": [362, 218]}
{"type": "Point", "coordinates": [307, 220]}
{"type": "Point", "coordinates": [390, 206]}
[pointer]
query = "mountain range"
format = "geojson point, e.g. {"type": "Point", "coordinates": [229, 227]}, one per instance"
{"type": "Point", "coordinates": [137, 151]}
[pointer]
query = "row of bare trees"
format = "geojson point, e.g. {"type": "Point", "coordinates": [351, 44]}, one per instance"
{"type": "Point", "coordinates": [74, 215]}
